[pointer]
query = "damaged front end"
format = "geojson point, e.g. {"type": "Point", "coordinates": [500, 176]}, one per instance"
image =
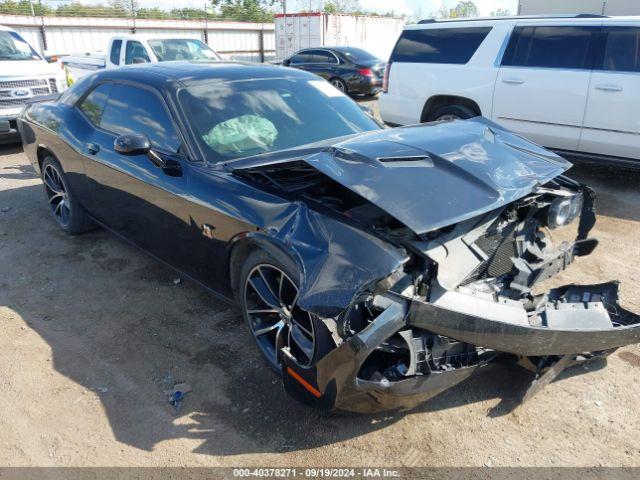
{"type": "Point", "coordinates": [466, 291]}
{"type": "Point", "coordinates": [465, 298]}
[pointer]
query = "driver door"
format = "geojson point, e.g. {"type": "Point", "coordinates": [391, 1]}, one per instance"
{"type": "Point", "coordinates": [140, 201]}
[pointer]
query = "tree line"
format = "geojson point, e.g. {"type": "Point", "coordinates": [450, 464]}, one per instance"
{"type": "Point", "coordinates": [243, 10]}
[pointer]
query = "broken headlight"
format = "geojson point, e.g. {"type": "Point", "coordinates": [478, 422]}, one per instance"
{"type": "Point", "coordinates": [564, 210]}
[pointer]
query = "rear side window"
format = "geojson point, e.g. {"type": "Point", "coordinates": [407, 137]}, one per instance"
{"type": "Point", "coordinates": [137, 110]}
{"type": "Point", "coordinates": [323, 57]}
{"type": "Point", "coordinates": [439, 45]}
{"type": "Point", "coordinates": [622, 51]}
{"type": "Point", "coordinates": [551, 47]}
{"type": "Point", "coordinates": [115, 52]}
{"type": "Point", "coordinates": [302, 57]}
{"type": "Point", "coordinates": [93, 104]}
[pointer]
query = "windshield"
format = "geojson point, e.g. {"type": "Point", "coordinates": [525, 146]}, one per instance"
{"type": "Point", "coordinates": [248, 117]}
{"type": "Point", "coordinates": [357, 55]}
{"type": "Point", "coordinates": [13, 47]}
{"type": "Point", "coordinates": [182, 49]}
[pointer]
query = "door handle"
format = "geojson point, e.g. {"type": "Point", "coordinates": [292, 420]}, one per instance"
{"type": "Point", "coordinates": [609, 88]}
{"type": "Point", "coordinates": [93, 148]}
{"type": "Point", "coordinates": [513, 81]}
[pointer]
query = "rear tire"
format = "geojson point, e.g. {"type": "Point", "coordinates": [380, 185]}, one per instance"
{"type": "Point", "coordinates": [340, 85]}
{"type": "Point", "coordinates": [67, 212]}
{"type": "Point", "coordinates": [273, 317]}
{"type": "Point", "coordinates": [449, 113]}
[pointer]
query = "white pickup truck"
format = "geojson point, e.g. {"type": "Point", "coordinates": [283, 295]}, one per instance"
{"type": "Point", "coordinates": [131, 49]}
{"type": "Point", "coordinates": [23, 75]}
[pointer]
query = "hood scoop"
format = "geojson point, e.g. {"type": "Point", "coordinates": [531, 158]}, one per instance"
{"type": "Point", "coordinates": [410, 161]}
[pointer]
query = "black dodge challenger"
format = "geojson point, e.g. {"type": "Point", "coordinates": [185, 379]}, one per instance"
{"type": "Point", "coordinates": [374, 267]}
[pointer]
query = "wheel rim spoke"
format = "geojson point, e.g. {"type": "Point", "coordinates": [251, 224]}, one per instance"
{"type": "Point", "coordinates": [280, 288]}
{"type": "Point", "coordinates": [294, 302]}
{"type": "Point", "coordinates": [262, 331]}
{"type": "Point", "coordinates": [56, 196]}
{"type": "Point", "coordinates": [265, 310]}
{"type": "Point", "coordinates": [64, 214]}
{"type": "Point", "coordinates": [51, 183]}
{"type": "Point", "coordinates": [299, 322]}
{"type": "Point", "coordinates": [263, 291]}
{"type": "Point", "coordinates": [279, 342]}
{"type": "Point", "coordinates": [269, 284]}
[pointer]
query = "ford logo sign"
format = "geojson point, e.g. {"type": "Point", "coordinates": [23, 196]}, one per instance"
{"type": "Point", "coordinates": [20, 92]}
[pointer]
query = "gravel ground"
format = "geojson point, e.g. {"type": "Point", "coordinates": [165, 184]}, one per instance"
{"type": "Point", "coordinates": [93, 331]}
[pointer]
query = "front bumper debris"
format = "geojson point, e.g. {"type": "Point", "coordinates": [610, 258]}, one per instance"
{"type": "Point", "coordinates": [569, 321]}
{"type": "Point", "coordinates": [574, 319]}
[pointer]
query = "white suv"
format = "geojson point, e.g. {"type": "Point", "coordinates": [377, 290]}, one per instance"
{"type": "Point", "coordinates": [569, 83]}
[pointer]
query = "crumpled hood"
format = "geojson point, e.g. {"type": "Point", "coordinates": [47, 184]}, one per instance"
{"type": "Point", "coordinates": [435, 175]}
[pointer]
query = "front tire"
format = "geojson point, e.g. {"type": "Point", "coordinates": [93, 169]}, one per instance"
{"type": "Point", "coordinates": [268, 294]}
{"type": "Point", "coordinates": [67, 212]}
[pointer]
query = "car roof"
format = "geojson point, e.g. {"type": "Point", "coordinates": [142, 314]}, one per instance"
{"type": "Point", "coordinates": [139, 38]}
{"type": "Point", "coordinates": [157, 74]}
{"type": "Point", "coordinates": [348, 49]}
{"type": "Point", "coordinates": [577, 19]}
{"type": "Point", "coordinates": [332, 49]}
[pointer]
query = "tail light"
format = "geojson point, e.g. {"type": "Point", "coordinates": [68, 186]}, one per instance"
{"type": "Point", "coordinates": [385, 79]}
{"type": "Point", "coordinates": [366, 72]}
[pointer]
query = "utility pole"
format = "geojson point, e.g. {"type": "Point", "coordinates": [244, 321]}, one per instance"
{"type": "Point", "coordinates": [206, 25]}
{"type": "Point", "coordinates": [284, 6]}
{"type": "Point", "coordinates": [133, 15]}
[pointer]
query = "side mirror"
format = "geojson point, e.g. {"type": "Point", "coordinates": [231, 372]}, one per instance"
{"type": "Point", "coordinates": [139, 60]}
{"type": "Point", "coordinates": [286, 63]}
{"type": "Point", "coordinates": [139, 144]}
{"type": "Point", "coordinates": [132, 144]}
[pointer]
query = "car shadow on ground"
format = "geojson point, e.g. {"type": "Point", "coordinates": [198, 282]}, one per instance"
{"type": "Point", "coordinates": [617, 189]}
{"type": "Point", "coordinates": [119, 324]}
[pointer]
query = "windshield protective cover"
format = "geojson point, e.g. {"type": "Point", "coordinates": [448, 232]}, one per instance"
{"type": "Point", "coordinates": [300, 111]}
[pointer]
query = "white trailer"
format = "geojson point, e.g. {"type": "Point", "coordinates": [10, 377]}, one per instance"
{"type": "Point", "coordinates": [295, 31]}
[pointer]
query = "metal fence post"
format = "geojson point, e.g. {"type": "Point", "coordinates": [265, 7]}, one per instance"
{"type": "Point", "coordinates": [261, 43]}
{"type": "Point", "coordinates": [41, 29]}
{"type": "Point", "coordinates": [133, 16]}
{"type": "Point", "coordinates": [206, 25]}
{"type": "Point", "coordinates": [43, 35]}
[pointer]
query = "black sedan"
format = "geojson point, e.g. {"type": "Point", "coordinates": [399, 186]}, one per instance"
{"type": "Point", "coordinates": [374, 267]}
{"type": "Point", "coordinates": [351, 70]}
